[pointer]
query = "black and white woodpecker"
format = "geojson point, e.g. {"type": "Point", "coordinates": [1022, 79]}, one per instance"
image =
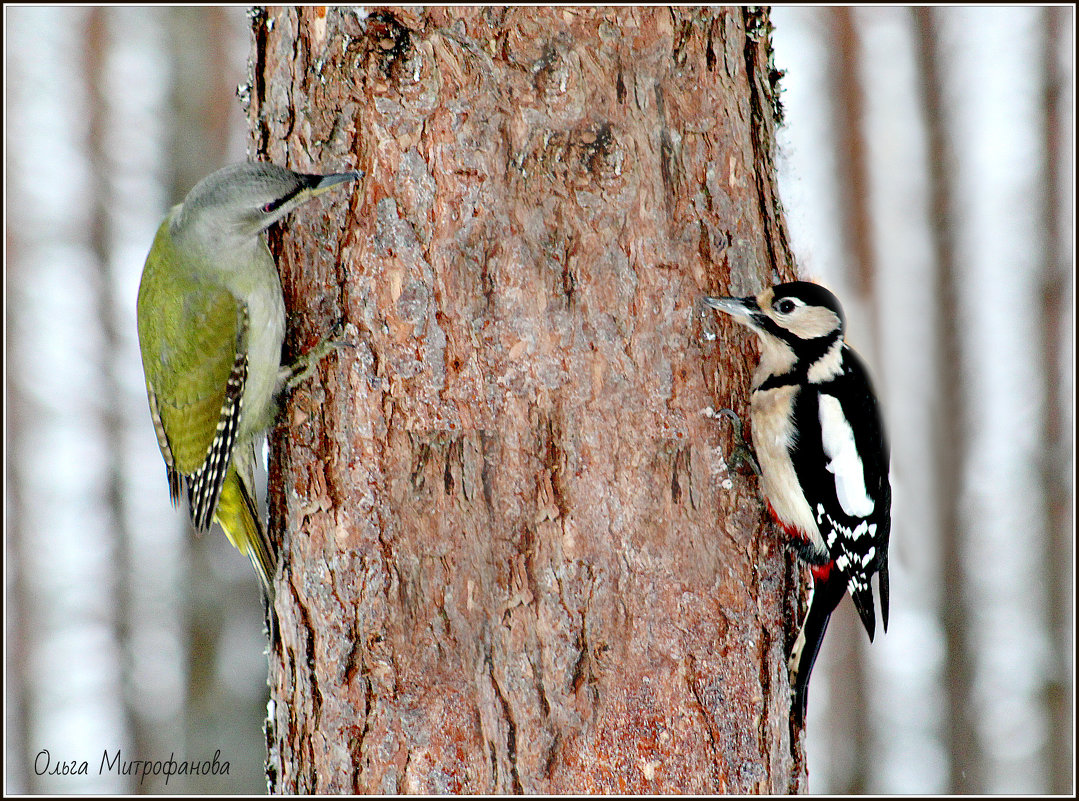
{"type": "Point", "coordinates": [823, 456]}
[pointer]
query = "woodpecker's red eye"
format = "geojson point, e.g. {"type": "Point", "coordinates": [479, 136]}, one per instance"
{"type": "Point", "coordinates": [268, 207]}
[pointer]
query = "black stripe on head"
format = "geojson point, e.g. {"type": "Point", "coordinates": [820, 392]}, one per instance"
{"type": "Point", "coordinates": [804, 316]}
{"type": "Point", "coordinates": [304, 183]}
{"type": "Point", "coordinates": [812, 295]}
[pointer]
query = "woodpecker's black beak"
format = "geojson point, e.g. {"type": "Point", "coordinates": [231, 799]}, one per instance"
{"type": "Point", "coordinates": [317, 184]}
{"type": "Point", "coordinates": [745, 308]}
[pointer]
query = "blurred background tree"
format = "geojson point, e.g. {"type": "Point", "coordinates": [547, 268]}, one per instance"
{"type": "Point", "coordinates": [928, 179]}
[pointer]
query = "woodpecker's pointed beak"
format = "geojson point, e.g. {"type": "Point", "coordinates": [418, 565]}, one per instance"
{"type": "Point", "coordinates": [320, 183]}
{"type": "Point", "coordinates": [744, 308]}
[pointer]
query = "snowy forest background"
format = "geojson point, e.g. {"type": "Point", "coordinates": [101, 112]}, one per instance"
{"type": "Point", "coordinates": [927, 176]}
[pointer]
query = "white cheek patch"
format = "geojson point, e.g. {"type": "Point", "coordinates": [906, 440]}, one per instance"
{"type": "Point", "coordinates": [843, 460]}
{"type": "Point", "coordinates": [809, 322]}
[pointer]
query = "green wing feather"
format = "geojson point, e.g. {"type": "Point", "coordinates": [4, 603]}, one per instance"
{"type": "Point", "coordinates": [192, 338]}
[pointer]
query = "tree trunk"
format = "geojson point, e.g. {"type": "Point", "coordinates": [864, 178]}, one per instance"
{"type": "Point", "coordinates": [848, 731]}
{"type": "Point", "coordinates": [514, 559]}
{"type": "Point", "coordinates": [951, 439]}
{"type": "Point", "coordinates": [1058, 454]}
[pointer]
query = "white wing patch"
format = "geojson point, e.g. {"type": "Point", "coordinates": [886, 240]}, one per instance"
{"type": "Point", "coordinates": [843, 460]}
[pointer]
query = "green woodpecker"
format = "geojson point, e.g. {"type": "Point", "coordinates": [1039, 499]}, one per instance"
{"type": "Point", "coordinates": [211, 320]}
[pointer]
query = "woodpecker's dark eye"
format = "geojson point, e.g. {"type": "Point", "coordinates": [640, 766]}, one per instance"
{"type": "Point", "coordinates": [268, 207]}
{"type": "Point", "coordinates": [785, 306]}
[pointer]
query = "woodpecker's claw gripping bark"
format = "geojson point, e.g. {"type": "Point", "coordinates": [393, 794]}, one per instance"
{"type": "Point", "coordinates": [741, 454]}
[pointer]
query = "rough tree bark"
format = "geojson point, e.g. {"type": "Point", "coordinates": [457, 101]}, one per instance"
{"type": "Point", "coordinates": [514, 558]}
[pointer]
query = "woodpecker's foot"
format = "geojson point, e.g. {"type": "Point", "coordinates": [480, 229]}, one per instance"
{"type": "Point", "coordinates": [741, 453]}
{"type": "Point", "coordinates": [289, 377]}
{"type": "Point", "coordinates": [807, 552]}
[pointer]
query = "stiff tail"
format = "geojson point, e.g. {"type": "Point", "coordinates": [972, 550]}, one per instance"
{"type": "Point", "coordinates": [883, 588]}
{"type": "Point", "coordinates": [827, 593]}
{"type": "Point", "coordinates": [862, 595]}
{"type": "Point", "coordinates": [238, 516]}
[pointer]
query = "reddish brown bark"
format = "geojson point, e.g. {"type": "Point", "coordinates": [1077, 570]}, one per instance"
{"type": "Point", "coordinates": [513, 556]}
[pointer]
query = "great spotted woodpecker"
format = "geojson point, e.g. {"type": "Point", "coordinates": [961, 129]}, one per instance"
{"type": "Point", "coordinates": [822, 453]}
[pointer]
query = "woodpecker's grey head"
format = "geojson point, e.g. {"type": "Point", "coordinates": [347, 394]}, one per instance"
{"type": "Point", "coordinates": [796, 312]}
{"type": "Point", "coordinates": [242, 200]}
